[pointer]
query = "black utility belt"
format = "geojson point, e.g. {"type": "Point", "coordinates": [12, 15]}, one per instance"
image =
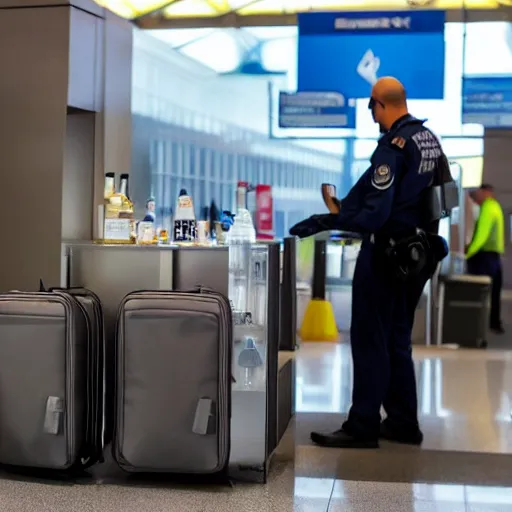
{"type": "Point", "coordinates": [408, 256]}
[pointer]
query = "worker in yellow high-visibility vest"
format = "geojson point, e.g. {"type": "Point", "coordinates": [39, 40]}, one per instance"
{"type": "Point", "coordinates": [486, 248]}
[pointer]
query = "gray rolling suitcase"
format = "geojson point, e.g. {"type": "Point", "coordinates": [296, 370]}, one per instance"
{"type": "Point", "coordinates": [173, 383]}
{"type": "Point", "coordinates": [50, 373]}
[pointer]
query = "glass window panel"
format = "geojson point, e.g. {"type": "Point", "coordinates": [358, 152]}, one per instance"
{"type": "Point", "coordinates": [293, 176]}
{"type": "Point", "coordinates": [194, 164]}
{"type": "Point", "coordinates": [217, 164]}
{"type": "Point", "coordinates": [200, 196]}
{"type": "Point", "coordinates": [364, 148]}
{"type": "Point", "coordinates": [463, 147]}
{"type": "Point", "coordinates": [219, 173]}
{"type": "Point", "coordinates": [166, 157]}
{"type": "Point", "coordinates": [187, 185]}
{"type": "Point", "coordinates": [242, 170]}
{"type": "Point", "coordinates": [358, 167]}
{"type": "Point", "coordinates": [158, 194]}
{"type": "Point", "coordinates": [303, 175]}
{"type": "Point", "coordinates": [174, 191]}
{"type": "Point", "coordinates": [202, 162]}
{"type": "Point", "coordinates": [180, 160]}
{"type": "Point", "coordinates": [167, 196]}
{"type": "Point", "coordinates": [478, 59]}
{"type": "Point", "coordinates": [472, 168]}
{"type": "Point", "coordinates": [186, 159]}
{"type": "Point", "coordinates": [278, 175]}
{"type": "Point", "coordinates": [287, 174]}
{"type": "Point", "coordinates": [261, 171]}
{"type": "Point", "coordinates": [281, 174]}
{"type": "Point", "coordinates": [160, 156]}
{"type": "Point", "coordinates": [230, 168]}
{"type": "Point", "coordinates": [236, 167]}
{"type": "Point", "coordinates": [227, 194]}
{"type": "Point", "coordinates": [219, 50]}
{"type": "Point", "coordinates": [215, 188]}
{"type": "Point", "coordinates": [251, 174]}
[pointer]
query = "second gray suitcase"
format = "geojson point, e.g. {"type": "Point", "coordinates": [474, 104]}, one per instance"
{"type": "Point", "coordinates": [173, 382]}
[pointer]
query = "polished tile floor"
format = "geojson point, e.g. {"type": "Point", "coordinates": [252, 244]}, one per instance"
{"type": "Point", "coordinates": [465, 464]}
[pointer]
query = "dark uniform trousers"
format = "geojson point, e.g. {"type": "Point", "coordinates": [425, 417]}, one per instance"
{"type": "Point", "coordinates": [383, 310]}
{"type": "Point", "coordinates": [486, 263]}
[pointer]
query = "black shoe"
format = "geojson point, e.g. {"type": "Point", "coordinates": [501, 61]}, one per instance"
{"type": "Point", "coordinates": [414, 437]}
{"type": "Point", "coordinates": [498, 329]}
{"type": "Point", "coordinates": [340, 439]}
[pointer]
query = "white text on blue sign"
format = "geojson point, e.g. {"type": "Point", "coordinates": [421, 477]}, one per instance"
{"type": "Point", "coordinates": [395, 22]}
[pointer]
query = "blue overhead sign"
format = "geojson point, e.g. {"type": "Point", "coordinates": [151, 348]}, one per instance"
{"type": "Point", "coordinates": [347, 52]}
{"type": "Point", "coordinates": [487, 101]}
{"type": "Point", "coordinates": [316, 110]}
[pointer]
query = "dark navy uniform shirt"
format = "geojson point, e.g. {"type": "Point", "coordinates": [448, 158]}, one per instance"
{"type": "Point", "coordinates": [389, 196]}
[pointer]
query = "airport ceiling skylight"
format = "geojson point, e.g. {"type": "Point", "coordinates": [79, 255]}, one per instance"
{"type": "Point", "coordinates": [240, 12]}
{"type": "Point", "coordinates": [209, 8]}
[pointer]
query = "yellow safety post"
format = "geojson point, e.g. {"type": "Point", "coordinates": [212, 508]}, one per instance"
{"type": "Point", "coordinates": [319, 323]}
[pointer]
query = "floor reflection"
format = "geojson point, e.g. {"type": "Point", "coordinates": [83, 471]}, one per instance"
{"type": "Point", "coordinates": [324, 378]}
{"type": "Point", "coordinates": [465, 396]}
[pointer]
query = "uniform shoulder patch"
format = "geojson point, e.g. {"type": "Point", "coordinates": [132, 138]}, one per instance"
{"type": "Point", "coordinates": [382, 177]}
{"type": "Point", "coordinates": [398, 141]}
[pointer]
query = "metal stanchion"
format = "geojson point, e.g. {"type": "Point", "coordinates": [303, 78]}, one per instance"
{"type": "Point", "coordinates": [319, 270]}
{"type": "Point", "coordinates": [288, 310]}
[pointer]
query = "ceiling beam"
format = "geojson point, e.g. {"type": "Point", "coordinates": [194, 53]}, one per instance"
{"type": "Point", "coordinates": [230, 20]}
{"type": "Point", "coordinates": [503, 13]}
{"type": "Point", "coordinates": [234, 20]}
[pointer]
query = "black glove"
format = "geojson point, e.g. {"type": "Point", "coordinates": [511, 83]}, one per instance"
{"type": "Point", "coordinates": [315, 224]}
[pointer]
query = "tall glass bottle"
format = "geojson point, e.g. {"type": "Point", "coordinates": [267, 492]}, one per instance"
{"type": "Point", "coordinates": [124, 185]}
{"type": "Point", "coordinates": [110, 185]}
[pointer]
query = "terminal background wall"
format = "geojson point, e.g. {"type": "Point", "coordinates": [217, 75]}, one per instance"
{"type": "Point", "coordinates": [196, 129]}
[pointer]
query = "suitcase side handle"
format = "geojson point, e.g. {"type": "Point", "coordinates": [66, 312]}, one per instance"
{"type": "Point", "coordinates": [205, 411]}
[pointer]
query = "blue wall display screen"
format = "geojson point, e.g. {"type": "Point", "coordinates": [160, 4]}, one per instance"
{"type": "Point", "coordinates": [316, 110]}
{"type": "Point", "coordinates": [347, 52]}
{"type": "Point", "coordinates": [487, 101]}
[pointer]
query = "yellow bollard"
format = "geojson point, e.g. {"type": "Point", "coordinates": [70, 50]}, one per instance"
{"type": "Point", "coordinates": [319, 323]}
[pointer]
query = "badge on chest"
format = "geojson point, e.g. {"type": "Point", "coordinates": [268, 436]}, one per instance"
{"type": "Point", "coordinates": [382, 177]}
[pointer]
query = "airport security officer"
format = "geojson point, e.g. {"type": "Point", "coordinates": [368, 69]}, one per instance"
{"type": "Point", "coordinates": [388, 207]}
{"type": "Point", "coordinates": [487, 247]}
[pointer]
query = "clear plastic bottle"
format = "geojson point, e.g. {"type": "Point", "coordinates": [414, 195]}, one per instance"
{"type": "Point", "coordinates": [240, 237]}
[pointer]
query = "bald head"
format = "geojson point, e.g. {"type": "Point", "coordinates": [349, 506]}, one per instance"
{"type": "Point", "coordinates": [390, 91]}
{"type": "Point", "coordinates": [389, 102]}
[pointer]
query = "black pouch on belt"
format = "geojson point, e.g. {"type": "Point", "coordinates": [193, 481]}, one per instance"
{"type": "Point", "coordinates": [407, 257]}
